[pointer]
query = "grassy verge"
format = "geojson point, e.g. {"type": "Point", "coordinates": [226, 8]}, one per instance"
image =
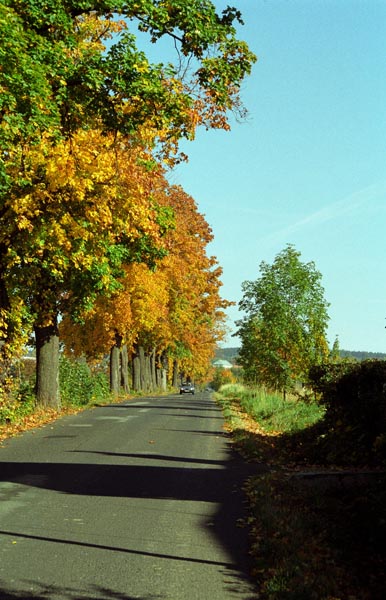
{"type": "Point", "coordinates": [314, 534]}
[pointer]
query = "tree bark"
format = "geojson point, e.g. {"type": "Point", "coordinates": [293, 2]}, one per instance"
{"type": "Point", "coordinates": [114, 370]}
{"type": "Point", "coordinates": [163, 382]}
{"type": "Point", "coordinates": [136, 371]}
{"type": "Point", "coordinates": [147, 377]}
{"type": "Point", "coordinates": [142, 368]}
{"type": "Point", "coordinates": [115, 378]}
{"type": "Point", "coordinates": [4, 330]}
{"type": "Point", "coordinates": [47, 365]}
{"type": "Point", "coordinates": [153, 369]}
{"type": "Point", "coordinates": [125, 369]}
{"type": "Point", "coordinates": [162, 372]}
{"type": "Point", "coordinates": [175, 374]}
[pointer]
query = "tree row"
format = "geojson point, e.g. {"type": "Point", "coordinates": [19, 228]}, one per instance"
{"type": "Point", "coordinates": [94, 242]}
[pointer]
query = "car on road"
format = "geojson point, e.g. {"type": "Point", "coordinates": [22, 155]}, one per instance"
{"type": "Point", "coordinates": [187, 388]}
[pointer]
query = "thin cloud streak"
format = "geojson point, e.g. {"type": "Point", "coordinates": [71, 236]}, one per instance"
{"type": "Point", "coordinates": [333, 211]}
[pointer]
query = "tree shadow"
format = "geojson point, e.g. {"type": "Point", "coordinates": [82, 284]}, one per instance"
{"type": "Point", "coordinates": [115, 549]}
{"type": "Point", "coordinates": [188, 416]}
{"type": "Point", "coordinates": [152, 456]}
{"type": "Point", "coordinates": [201, 432]}
{"type": "Point", "coordinates": [193, 406]}
{"type": "Point", "coordinates": [218, 482]}
{"type": "Point", "coordinates": [45, 592]}
{"type": "Point", "coordinates": [128, 481]}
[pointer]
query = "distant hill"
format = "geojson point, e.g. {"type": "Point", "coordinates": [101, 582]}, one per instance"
{"type": "Point", "coordinates": [362, 355]}
{"type": "Point", "coordinates": [231, 354]}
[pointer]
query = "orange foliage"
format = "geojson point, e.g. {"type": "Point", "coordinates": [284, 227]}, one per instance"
{"type": "Point", "coordinates": [176, 308]}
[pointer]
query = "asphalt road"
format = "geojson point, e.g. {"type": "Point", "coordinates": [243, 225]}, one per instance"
{"type": "Point", "coordinates": [133, 500]}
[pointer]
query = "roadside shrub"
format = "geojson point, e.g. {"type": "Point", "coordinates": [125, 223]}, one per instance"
{"type": "Point", "coordinates": [222, 377]}
{"type": "Point", "coordinates": [16, 402]}
{"type": "Point", "coordinates": [79, 386]}
{"type": "Point", "coordinates": [355, 397]}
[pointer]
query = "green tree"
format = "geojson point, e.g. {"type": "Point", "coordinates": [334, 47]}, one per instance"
{"type": "Point", "coordinates": [335, 351]}
{"type": "Point", "coordinates": [284, 331]}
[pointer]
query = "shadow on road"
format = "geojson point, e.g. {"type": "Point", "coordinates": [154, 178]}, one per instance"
{"type": "Point", "coordinates": [45, 592]}
{"type": "Point", "coordinates": [190, 406]}
{"type": "Point", "coordinates": [164, 457]}
{"type": "Point", "coordinates": [129, 481]}
{"type": "Point", "coordinates": [54, 540]}
{"type": "Point", "coordinates": [220, 485]}
{"type": "Point", "coordinates": [201, 480]}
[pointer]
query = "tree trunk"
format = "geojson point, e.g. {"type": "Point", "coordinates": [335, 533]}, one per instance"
{"type": "Point", "coordinates": [4, 328]}
{"type": "Point", "coordinates": [162, 372]}
{"type": "Point", "coordinates": [47, 365]}
{"type": "Point", "coordinates": [148, 377]}
{"type": "Point", "coordinates": [163, 382]}
{"type": "Point", "coordinates": [114, 370]}
{"type": "Point", "coordinates": [136, 371]}
{"type": "Point", "coordinates": [158, 377]}
{"type": "Point", "coordinates": [115, 378]}
{"type": "Point", "coordinates": [142, 368]}
{"type": "Point", "coordinates": [175, 374]}
{"type": "Point", "coordinates": [153, 370]}
{"type": "Point", "coordinates": [125, 369]}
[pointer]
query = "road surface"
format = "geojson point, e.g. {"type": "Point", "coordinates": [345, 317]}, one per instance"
{"type": "Point", "coordinates": [132, 500]}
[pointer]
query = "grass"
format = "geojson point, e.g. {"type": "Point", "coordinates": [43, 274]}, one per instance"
{"type": "Point", "coordinates": [308, 541]}
{"type": "Point", "coordinates": [276, 414]}
{"type": "Point", "coordinates": [271, 411]}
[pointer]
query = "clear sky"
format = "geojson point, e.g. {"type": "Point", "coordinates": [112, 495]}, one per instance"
{"type": "Point", "coordinates": [308, 167]}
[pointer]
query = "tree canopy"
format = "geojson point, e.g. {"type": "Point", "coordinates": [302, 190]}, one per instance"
{"type": "Point", "coordinates": [284, 331]}
{"type": "Point", "coordinates": [175, 311]}
{"type": "Point", "coordinates": [84, 116]}
{"type": "Point", "coordinates": [65, 63]}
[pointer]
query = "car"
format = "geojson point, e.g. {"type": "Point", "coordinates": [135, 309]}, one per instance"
{"type": "Point", "coordinates": [187, 388]}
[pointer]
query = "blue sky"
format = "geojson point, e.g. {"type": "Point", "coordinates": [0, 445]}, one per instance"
{"type": "Point", "coordinates": [308, 167]}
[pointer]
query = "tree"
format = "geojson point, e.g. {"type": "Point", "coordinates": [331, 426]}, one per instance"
{"type": "Point", "coordinates": [86, 207]}
{"type": "Point", "coordinates": [66, 63]}
{"type": "Point", "coordinates": [335, 351]}
{"type": "Point", "coordinates": [284, 331]}
{"type": "Point", "coordinates": [195, 305]}
{"type": "Point", "coordinates": [170, 315]}
{"type": "Point", "coordinates": [72, 67]}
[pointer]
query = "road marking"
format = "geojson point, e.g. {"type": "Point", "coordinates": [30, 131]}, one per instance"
{"type": "Point", "coordinates": [119, 419]}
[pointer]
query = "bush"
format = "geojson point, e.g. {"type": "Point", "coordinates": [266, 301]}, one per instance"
{"type": "Point", "coordinates": [355, 397]}
{"type": "Point", "coordinates": [17, 402]}
{"type": "Point", "coordinates": [222, 377]}
{"type": "Point", "coordinates": [79, 386]}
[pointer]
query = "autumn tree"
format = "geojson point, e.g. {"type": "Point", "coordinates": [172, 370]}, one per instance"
{"type": "Point", "coordinates": [196, 307]}
{"type": "Point", "coordinates": [170, 318]}
{"type": "Point", "coordinates": [138, 303]}
{"type": "Point", "coordinates": [72, 67]}
{"type": "Point", "coordinates": [284, 331]}
{"type": "Point", "coordinates": [90, 211]}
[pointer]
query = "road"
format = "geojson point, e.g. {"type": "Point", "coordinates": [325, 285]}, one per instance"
{"type": "Point", "coordinates": [133, 500]}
